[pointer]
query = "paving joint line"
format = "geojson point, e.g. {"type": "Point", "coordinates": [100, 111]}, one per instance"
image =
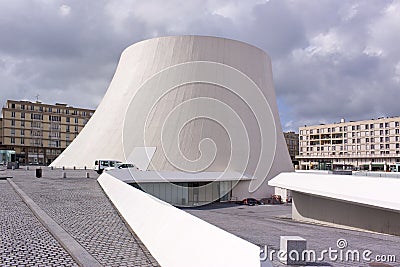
{"type": "Point", "coordinates": [77, 252]}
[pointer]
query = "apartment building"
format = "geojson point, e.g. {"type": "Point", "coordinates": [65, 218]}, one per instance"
{"type": "Point", "coordinates": [368, 144]}
{"type": "Point", "coordinates": [292, 142]}
{"type": "Point", "coordinates": [39, 132]}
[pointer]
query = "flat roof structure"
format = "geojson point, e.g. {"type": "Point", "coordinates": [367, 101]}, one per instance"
{"type": "Point", "coordinates": [134, 176]}
{"type": "Point", "coordinates": [368, 203]}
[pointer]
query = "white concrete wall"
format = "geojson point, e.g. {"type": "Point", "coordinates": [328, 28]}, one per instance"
{"type": "Point", "coordinates": [174, 237]}
{"type": "Point", "coordinates": [314, 209]}
{"type": "Point", "coordinates": [204, 103]}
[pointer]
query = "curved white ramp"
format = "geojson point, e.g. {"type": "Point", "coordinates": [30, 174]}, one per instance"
{"type": "Point", "coordinates": [174, 237]}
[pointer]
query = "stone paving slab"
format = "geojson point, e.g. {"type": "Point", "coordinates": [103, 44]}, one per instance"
{"type": "Point", "coordinates": [24, 240]}
{"type": "Point", "coordinates": [264, 224]}
{"type": "Point", "coordinates": [78, 253]}
{"type": "Point", "coordinates": [82, 209]}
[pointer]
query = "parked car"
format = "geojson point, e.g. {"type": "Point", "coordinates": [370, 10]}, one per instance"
{"type": "Point", "coordinates": [120, 166]}
{"type": "Point", "coordinates": [250, 202]}
{"type": "Point", "coordinates": [101, 164]}
{"type": "Point", "coordinates": [274, 199]}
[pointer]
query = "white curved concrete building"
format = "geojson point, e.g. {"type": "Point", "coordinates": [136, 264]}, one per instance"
{"type": "Point", "coordinates": [186, 105]}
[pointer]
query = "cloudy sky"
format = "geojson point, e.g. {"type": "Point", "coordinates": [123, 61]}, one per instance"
{"type": "Point", "coordinates": [331, 59]}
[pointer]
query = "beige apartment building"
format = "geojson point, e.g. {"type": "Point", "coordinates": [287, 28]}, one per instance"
{"type": "Point", "coordinates": [39, 132]}
{"type": "Point", "coordinates": [292, 142]}
{"type": "Point", "coordinates": [366, 145]}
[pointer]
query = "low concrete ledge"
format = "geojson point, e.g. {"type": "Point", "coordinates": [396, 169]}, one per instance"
{"type": "Point", "coordinates": [77, 252]}
{"type": "Point", "coordinates": [174, 237]}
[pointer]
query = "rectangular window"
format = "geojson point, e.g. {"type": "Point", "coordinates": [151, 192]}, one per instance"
{"type": "Point", "coordinates": [22, 123]}
{"type": "Point", "coordinates": [76, 120]}
{"type": "Point", "coordinates": [22, 115]}
{"type": "Point", "coordinates": [386, 125]}
{"type": "Point", "coordinates": [67, 119]}
{"type": "Point", "coordinates": [36, 116]}
{"type": "Point", "coordinates": [13, 114]}
{"type": "Point", "coordinates": [12, 140]}
{"type": "Point", "coordinates": [12, 122]}
{"type": "Point", "coordinates": [397, 124]}
{"type": "Point", "coordinates": [22, 106]}
{"type": "Point", "coordinates": [22, 140]}
{"type": "Point", "coordinates": [397, 131]}
{"type": "Point", "coordinates": [22, 132]}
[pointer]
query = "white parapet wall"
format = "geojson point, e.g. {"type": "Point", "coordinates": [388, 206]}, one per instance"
{"type": "Point", "coordinates": [174, 237]}
{"type": "Point", "coordinates": [366, 203]}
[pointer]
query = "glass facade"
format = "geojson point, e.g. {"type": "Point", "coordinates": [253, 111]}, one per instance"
{"type": "Point", "coordinates": [188, 193]}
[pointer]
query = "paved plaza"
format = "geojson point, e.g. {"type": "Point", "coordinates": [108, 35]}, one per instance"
{"type": "Point", "coordinates": [264, 224]}
{"type": "Point", "coordinates": [77, 205]}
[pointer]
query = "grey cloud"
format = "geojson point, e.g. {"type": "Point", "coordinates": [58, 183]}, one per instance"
{"type": "Point", "coordinates": [331, 59]}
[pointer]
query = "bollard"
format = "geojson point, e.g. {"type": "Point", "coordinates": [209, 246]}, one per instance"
{"type": "Point", "coordinates": [85, 167]}
{"type": "Point", "coordinates": [51, 168]}
{"type": "Point", "coordinates": [39, 173]}
{"type": "Point", "coordinates": [87, 175]}
{"type": "Point", "coordinates": [64, 174]}
{"type": "Point", "coordinates": [63, 168]}
{"type": "Point", "coordinates": [74, 168]}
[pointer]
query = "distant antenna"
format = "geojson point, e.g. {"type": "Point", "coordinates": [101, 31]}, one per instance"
{"type": "Point", "coordinates": [37, 97]}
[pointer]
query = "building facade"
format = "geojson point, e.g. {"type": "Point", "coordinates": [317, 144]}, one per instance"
{"type": "Point", "coordinates": [201, 104]}
{"type": "Point", "coordinates": [40, 132]}
{"type": "Point", "coordinates": [292, 142]}
{"type": "Point", "coordinates": [366, 145]}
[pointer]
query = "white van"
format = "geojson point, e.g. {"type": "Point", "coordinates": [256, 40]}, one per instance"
{"type": "Point", "coordinates": [101, 164]}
